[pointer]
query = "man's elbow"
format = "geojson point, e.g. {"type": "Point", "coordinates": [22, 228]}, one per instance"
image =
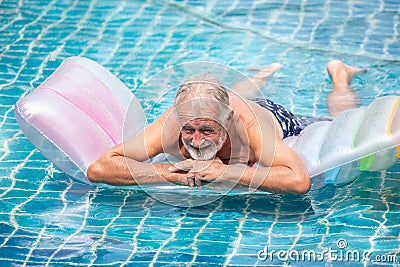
{"type": "Point", "coordinates": [95, 172]}
{"type": "Point", "coordinates": [302, 183]}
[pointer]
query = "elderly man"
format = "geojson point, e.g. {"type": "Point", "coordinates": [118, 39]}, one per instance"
{"type": "Point", "coordinates": [219, 135]}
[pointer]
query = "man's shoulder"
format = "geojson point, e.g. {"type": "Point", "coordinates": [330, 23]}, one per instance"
{"type": "Point", "coordinates": [259, 122]}
{"type": "Point", "coordinates": [248, 112]}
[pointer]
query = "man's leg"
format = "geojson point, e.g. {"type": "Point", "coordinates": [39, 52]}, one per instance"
{"type": "Point", "coordinates": [342, 96]}
{"type": "Point", "coordinates": [250, 87]}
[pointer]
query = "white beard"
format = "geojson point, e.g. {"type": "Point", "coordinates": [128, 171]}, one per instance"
{"type": "Point", "coordinates": [208, 149]}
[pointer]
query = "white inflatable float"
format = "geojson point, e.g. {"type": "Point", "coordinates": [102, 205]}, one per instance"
{"type": "Point", "coordinates": [362, 139]}
{"type": "Point", "coordinates": [79, 112]}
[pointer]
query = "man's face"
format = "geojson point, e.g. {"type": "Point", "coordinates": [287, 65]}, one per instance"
{"type": "Point", "coordinates": [203, 138]}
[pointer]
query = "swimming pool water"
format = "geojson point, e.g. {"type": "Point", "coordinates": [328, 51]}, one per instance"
{"type": "Point", "coordinates": [49, 219]}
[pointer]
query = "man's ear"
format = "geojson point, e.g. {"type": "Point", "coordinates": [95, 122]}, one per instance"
{"type": "Point", "coordinates": [230, 116]}
{"type": "Point", "coordinates": [228, 120]}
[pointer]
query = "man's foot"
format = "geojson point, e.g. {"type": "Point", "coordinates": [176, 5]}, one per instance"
{"type": "Point", "coordinates": [250, 87]}
{"type": "Point", "coordinates": [342, 97]}
{"type": "Point", "coordinates": [264, 73]}
{"type": "Point", "coordinates": [342, 73]}
{"type": "Point", "coordinates": [267, 71]}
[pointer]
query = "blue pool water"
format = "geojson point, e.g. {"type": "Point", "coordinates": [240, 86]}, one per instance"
{"type": "Point", "coordinates": [49, 219]}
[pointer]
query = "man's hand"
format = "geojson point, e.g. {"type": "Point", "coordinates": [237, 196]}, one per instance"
{"type": "Point", "coordinates": [198, 170]}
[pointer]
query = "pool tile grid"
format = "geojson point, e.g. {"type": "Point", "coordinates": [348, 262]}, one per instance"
{"type": "Point", "coordinates": [384, 219]}
{"type": "Point", "coordinates": [79, 27]}
{"type": "Point", "coordinates": [55, 53]}
{"type": "Point", "coordinates": [238, 231]}
{"type": "Point", "coordinates": [138, 231]}
{"type": "Point", "coordinates": [300, 34]}
{"type": "Point", "coordinates": [394, 39]}
{"type": "Point", "coordinates": [44, 68]}
{"type": "Point", "coordinates": [277, 213]}
{"type": "Point", "coordinates": [133, 56]}
{"type": "Point", "coordinates": [119, 40]}
{"type": "Point", "coordinates": [99, 242]}
{"type": "Point", "coordinates": [14, 172]}
{"type": "Point", "coordinates": [77, 231]}
{"type": "Point", "coordinates": [127, 57]}
{"type": "Point", "coordinates": [42, 231]}
{"type": "Point", "coordinates": [238, 239]}
{"type": "Point", "coordinates": [34, 42]}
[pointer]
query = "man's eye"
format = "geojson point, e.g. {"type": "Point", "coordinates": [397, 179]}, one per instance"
{"type": "Point", "coordinates": [208, 132]}
{"type": "Point", "coordinates": [187, 130]}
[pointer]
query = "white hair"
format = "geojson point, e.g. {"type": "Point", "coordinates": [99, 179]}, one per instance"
{"type": "Point", "coordinates": [206, 95]}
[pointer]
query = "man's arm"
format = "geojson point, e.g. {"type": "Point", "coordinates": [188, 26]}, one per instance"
{"type": "Point", "coordinates": [122, 164]}
{"type": "Point", "coordinates": [287, 173]}
{"type": "Point", "coordinates": [114, 168]}
{"type": "Point", "coordinates": [284, 170]}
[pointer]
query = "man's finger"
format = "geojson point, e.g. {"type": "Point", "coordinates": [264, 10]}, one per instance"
{"type": "Point", "coordinates": [197, 182]}
{"type": "Point", "coordinates": [193, 179]}
{"type": "Point", "coordinates": [185, 165]}
{"type": "Point", "coordinates": [173, 169]}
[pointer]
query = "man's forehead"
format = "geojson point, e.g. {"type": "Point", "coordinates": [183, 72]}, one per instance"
{"type": "Point", "coordinates": [201, 121]}
{"type": "Point", "coordinates": [200, 104]}
{"type": "Point", "coordinates": [202, 109]}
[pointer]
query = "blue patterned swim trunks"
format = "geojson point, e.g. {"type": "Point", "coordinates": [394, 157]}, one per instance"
{"type": "Point", "coordinates": [291, 125]}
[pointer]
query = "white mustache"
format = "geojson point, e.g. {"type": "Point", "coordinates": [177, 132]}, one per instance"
{"type": "Point", "coordinates": [203, 144]}
{"type": "Point", "coordinates": [207, 149]}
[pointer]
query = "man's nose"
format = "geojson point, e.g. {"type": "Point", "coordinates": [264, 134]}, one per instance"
{"type": "Point", "coordinates": [197, 139]}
